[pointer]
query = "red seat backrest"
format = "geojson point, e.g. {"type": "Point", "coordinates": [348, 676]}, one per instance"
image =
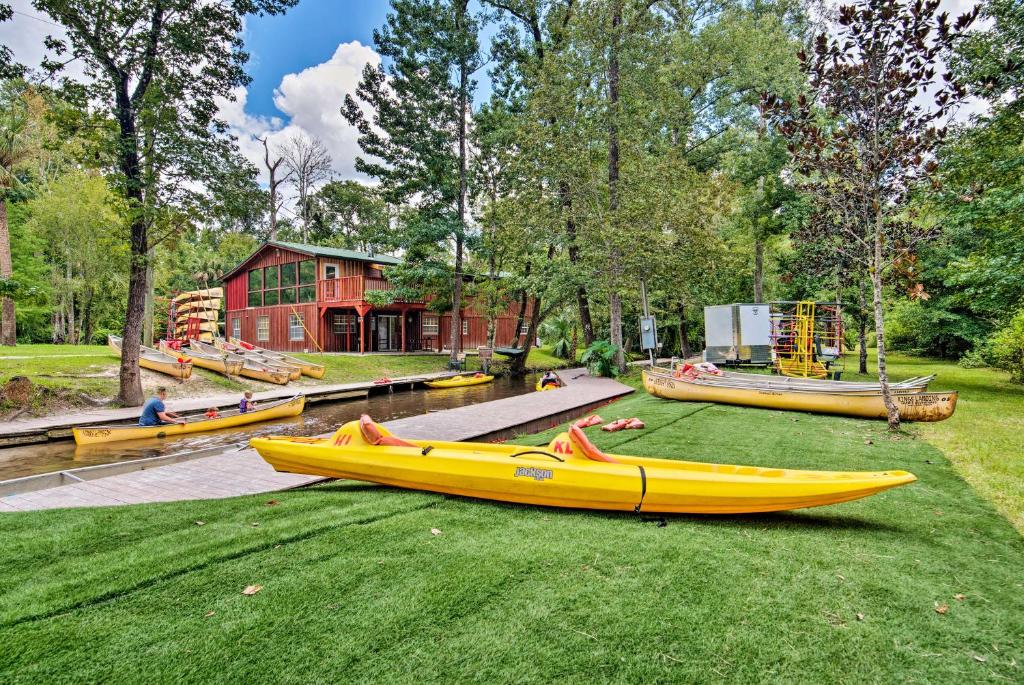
{"type": "Point", "coordinates": [371, 433]}
{"type": "Point", "coordinates": [589, 449]}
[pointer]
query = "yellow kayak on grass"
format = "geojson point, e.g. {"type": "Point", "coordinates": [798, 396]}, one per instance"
{"type": "Point", "coordinates": [194, 424]}
{"type": "Point", "coordinates": [569, 472]}
{"type": "Point", "coordinates": [460, 381]}
{"type": "Point", "coordinates": [913, 405]}
{"type": "Point", "coordinates": [153, 360]}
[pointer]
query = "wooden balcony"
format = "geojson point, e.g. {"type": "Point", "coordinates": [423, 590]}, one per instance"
{"type": "Point", "coordinates": [351, 289]}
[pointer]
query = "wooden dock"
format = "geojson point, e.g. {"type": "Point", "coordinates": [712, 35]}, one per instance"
{"type": "Point", "coordinates": [242, 472]}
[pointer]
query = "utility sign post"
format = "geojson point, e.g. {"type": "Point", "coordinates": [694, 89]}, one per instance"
{"type": "Point", "coordinates": [648, 327]}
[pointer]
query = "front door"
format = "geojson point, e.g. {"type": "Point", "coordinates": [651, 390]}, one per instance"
{"type": "Point", "coordinates": [387, 332]}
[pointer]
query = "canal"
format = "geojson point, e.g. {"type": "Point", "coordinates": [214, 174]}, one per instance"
{"type": "Point", "coordinates": [318, 418]}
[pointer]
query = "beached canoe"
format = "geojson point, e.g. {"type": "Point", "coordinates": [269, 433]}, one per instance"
{"type": "Point", "coordinates": [220, 363]}
{"type": "Point", "coordinates": [731, 378]}
{"type": "Point", "coordinates": [294, 370]}
{"type": "Point", "coordinates": [92, 435]}
{"type": "Point", "coordinates": [460, 381]}
{"type": "Point", "coordinates": [153, 360]}
{"type": "Point", "coordinates": [252, 368]}
{"type": "Point", "coordinates": [913, 406]}
{"type": "Point", "coordinates": [569, 472]}
{"type": "Point", "coordinates": [308, 368]}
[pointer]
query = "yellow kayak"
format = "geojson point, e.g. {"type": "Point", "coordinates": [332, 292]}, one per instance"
{"type": "Point", "coordinates": [542, 388]}
{"type": "Point", "coordinates": [569, 472]}
{"type": "Point", "coordinates": [195, 424]}
{"type": "Point", "coordinates": [913, 406]}
{"type": "Point", "coordinates": [460, 381]}
{"type": "Point", "coordinates": [153, 360]}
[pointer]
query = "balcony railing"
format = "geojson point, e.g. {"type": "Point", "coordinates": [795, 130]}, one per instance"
{"type": "Point", "coordinates": [349, 289]}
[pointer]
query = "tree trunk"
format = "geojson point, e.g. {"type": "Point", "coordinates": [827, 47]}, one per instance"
{"type": "Point", "coordinates": [130, 391]}
{"type": "Point", "coordinates": [862, 327]}
{"type": "Point", "coordinates": [615, 264]}
{"type": "Point", "coordinates": [8, 324]}
{"type": "Point", "coordinates": [582, 300]}
{"type": "Point", "coordinates": [456, 337]}
{"type": "Point", "coordinates": [518, 366]}
{"type": "Point", "coordinates": [758, 271]}
{"type": "Point", "coordinates": [87, 318]}
{"type": "Point", "coordinates": [70, 304]}
{"type": "Point", "coordinates": [883, 374]}
{"type": "Point", "coordinates": [147, 313]}
{"type": "Point", "coordinates": [684, 333]}
{"type": "Point", "coordinates": [524, 300]}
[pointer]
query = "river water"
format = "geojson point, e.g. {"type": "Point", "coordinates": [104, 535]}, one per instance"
{"type": "Point", "coordinates": [318, 418]}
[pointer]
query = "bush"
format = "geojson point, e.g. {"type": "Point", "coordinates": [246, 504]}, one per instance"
{"type": "Point", "coordinates": [1006, 347]}
{"type": "Point", "coordinates": [973, 359]}
{"type": "Point", "coordinates": [99, 336]}
{"type": "Point", "coordinates": [600, 359]}
{"type": "Point", "coordinates": [932, 328]}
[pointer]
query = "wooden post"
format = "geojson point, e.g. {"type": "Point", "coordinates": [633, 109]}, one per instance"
{"type": "Point", "coordinates": [402, 333]}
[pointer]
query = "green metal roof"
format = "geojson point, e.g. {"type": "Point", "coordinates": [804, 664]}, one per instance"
{"type": "Point", "coordinates": [337, 252]}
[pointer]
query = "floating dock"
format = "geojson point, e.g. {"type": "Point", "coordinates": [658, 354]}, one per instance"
{"type": "Point", "coordinates": [234, 472]}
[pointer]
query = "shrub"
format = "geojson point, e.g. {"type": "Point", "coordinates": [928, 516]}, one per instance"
{"type": "Point", "coordinates": [1006, 347]}
{"type": "Point", "coordinates": [973, 359]}
{"type": "Point", "coordinates": [932, 328]}
{"type": "Point", "coordinates": [99, 336]}
{"type": "Point", "coordinates": [600, 358]}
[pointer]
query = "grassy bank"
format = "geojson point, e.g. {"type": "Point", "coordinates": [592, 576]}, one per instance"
{"type": "Point", "coordinates": [921, 583]}
{"type": "Point", "coordinates": [69, 376]}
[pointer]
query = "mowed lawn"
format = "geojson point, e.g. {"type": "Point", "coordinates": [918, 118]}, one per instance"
{"type": "Point", "coordinates": [922, 583]}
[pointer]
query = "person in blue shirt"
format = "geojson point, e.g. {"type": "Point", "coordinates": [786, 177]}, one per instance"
{"type": "Point", "coordinates": [154, 413]}
{"type": "Point", "coordinates": [247, 404]}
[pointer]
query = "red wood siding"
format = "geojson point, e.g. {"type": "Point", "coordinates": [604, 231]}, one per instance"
{"type": "Point", "coordinates": [278, 316]}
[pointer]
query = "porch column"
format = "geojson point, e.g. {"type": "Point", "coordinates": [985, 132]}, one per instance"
{"type": "Point", "coordinates": [362, 310]}
{"type": "Point", "coordinates": [405, 313]}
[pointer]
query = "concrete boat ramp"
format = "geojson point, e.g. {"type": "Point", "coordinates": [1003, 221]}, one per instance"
{"type": "Point", "coordinates": [229, 473]}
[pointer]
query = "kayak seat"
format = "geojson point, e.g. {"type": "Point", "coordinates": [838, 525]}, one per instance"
{"type": "Point", "coordinates": [589, 449]}
{"type": "Point", "coordinates": [372, 434]}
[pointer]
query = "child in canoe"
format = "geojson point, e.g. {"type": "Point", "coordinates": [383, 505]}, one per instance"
{"type": "Point", "coordinates": [247, 404]}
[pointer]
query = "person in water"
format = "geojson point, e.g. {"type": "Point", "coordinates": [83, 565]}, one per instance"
{"type": "Point", "coordinates": [549, 378]}
{"type": "Point", "coordinates": [154, 412]}
{"type": "Point", "coordinates": [246, 404]}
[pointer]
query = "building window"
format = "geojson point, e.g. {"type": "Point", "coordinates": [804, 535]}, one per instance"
{"type": "Point", "coordinates": [288, 296]}
{"type": "Point", "coordinates": [465, 327]}
{"type": "Point", "coordinates": [524, 329]}
{"type": "Point", "coordinates": [330, 271]}
{"type": "Point", "coordinates": [270, 297]}
{"type": "Point", "coordinates": [262, 328]}
{"type": "Point", "coordinates": [236, 327]}
{"type": "Point", "coordinates": [344, 323]}
{"type": "Point", "coordinates": [307, 272]}
{"type": "Point", "coordinates": [430, 325]}
{"type": "Point", "coordinates": [307, 293]}
{"type": "Point", "coordinates": [296, 332]}
{"type": "Point", "coordinates": [271, 278]}
{"type": "Point", "coordinates": [256, 288]}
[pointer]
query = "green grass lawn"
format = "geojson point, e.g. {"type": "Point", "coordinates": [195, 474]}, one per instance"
{"type": "Point", "coordinates": [922, 583]}
{"type": "Point", "coordinates": [985, 437]}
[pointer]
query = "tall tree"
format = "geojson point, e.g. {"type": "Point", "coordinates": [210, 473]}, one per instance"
{"type": "Point", "coordinates": [158, 68]}
{"type": "Point", "coordinates": [352, 215]}
{"type": "Point", "coordinates": [20, 139]}
{"type": "Point", "coordinates": [309, 164]}
{"type": "Point", "coordinates": [417, 127]}
{"type": "Point", "coordinates": [273, 162]}
{"type": "Point", "coordinates": [863, 138]}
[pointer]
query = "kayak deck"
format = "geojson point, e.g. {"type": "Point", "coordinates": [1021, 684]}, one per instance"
{"type": "Point", "coordinates": [569, 472]}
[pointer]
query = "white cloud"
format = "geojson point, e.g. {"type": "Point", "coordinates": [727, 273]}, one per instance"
{"type": "Point", "coordinates": [24, 35]}
{"type": "Point", "coordinates": [310, 101]}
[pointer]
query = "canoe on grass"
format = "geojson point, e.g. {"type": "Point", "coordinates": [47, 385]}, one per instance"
{"type": "Point", "coordinates": [308, 368]}
{"type": "Point", "coordinates": [569, 472]}
{"type": "Point", "coordinates": [153, 360]}
{"type": "Point", "coordinates": [460, 381]}
{"type": "Point", "coordinates": [913, 406]}
{"type": "Point", "coordinates": [294, 370]}
{"type": "Point", "coordinates": [251, 368]}
{"type": "Point", "coordinates": [220, 363]}
{"type": "Point", "coordinates": [916, 384]}
{"type": "Point", "coordinates": [194, 424]}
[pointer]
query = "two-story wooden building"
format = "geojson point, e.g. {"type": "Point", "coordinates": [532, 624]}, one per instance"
{"type": "Point", "coordinates": [293, 297]}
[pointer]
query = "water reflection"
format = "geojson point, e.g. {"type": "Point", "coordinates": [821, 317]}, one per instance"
{"type": "Point", "coordinates": [318, 418]}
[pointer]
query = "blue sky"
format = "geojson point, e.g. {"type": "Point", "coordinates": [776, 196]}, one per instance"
{"type": "Point", "coordinates": [308, 34]}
